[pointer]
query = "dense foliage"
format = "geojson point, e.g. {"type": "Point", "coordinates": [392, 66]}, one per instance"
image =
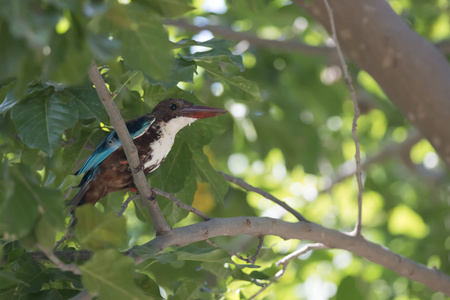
{"type": "Point", "coordinates": [288, 132]}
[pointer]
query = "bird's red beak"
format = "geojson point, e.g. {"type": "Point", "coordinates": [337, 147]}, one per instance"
{"type": "Point", "coordinates": [201, 112]}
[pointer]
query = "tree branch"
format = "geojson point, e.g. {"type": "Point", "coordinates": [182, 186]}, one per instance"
{"type": "Point", "coordinates": [330, 238]}
{"type": "Point", "coordinates": [241, 183]}
{"type": "Point", "coordinates": [381, 43]}
{"type": "Point", "coordinates": [391, 150]}
{"type": "Point", "coordinates": [259, 226]}
{"type": "Point", "coordinates": [348, 80]}
{"type": "Point", "coordinates": [159, 223]}
{"type": "Point", "coordinates": [181, 204]}
{"type": "Point", "coordinates": [58, 263]}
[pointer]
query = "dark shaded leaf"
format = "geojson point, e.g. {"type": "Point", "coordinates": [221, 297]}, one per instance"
{"type": "Point", "coordinates": [86, 98]}
{"type": "Point", "coordinates": [32, 274]}
{"type": "Point", "coordinates": [145, 44]}
{"type": "Point", "coordinates": [41, 121]}
{"type": "Point", "coordinates": [24, 200]}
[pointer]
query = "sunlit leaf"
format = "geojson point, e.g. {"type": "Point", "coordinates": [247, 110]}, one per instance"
{"type": "Point", "coordinates": [403, 220]}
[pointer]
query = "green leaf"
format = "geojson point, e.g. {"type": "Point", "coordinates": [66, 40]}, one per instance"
{"type": "Point", "coordinates": [41, 121]}
{"type": "Point", "coordinates": [182, 70]}
{"type": "Point", "coordinates": [96, 230]}
{"type": "Point", "coordinates": [32, 274]}
{"type": "Point", "coordinates": [8, 279]}
{"type": "Point", "coordinates": [102, 46]}
{"type": "Point", "coordinates": [45, 234]}
{"type": "Point", "coordinates": [175, 169]}
{"type": "Point", "coordinates": [188, 290]}
{"type": "Point", "coordinates": [73, 153]}
{"type": "Point", "coordinates": [6, 93]}
{"type": "Point", "coordinates": [110, 275]}
{"type": "Point", "coordinates": [203, 254]}
{"type": "Point", "coordinates": [148, 285]}
{"type": "Point", "coordinates": [348, 289]}
{"type": "Point", "coordinates": [172, 213]}
{"type": "Point", "coordinates": [206, 173]}
{"type": "Point", "coordinates": [243, 88]}
{"type": "Point", "coordinates": [24, 200]}
{"type": "Point", "coordinates": [169, 8]}
{"type": "Point", "coordinates": [220, 52]}
{"type": "Point", "coordinates": [150, 252]}
{"type": "Point", "coordinates": [70, 65]}
{"type": "Point", "coordinates": [13, 53]}
{"type": "Point", "coordinates": [145, 43]}
{"type": "Point", "coordinates": [87, 100]}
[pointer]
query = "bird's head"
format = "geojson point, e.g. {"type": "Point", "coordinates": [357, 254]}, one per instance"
{"type": "Point", "coordinates": [178, 113]}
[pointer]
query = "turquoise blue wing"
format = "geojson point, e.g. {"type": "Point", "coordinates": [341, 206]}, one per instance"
{"type": "Point", "coordinates": [111, 143]}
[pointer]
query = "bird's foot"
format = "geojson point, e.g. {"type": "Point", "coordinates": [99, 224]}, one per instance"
{"type": "Point", "coordinates": [134, 190]}
{"type": "Point", "coordinates": [153, 195]}
{"type": "Point", "coordinates": [123, 162]}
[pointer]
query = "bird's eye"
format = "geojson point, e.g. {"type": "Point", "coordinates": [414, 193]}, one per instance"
{"type": "Point", "coordinates": [172, 106]}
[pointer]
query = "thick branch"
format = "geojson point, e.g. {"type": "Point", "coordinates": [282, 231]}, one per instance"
{"type": "Point", "coordinates": [131, 152]}
{"type": "Point", "coordinates": [258, 226]}
{"type": "Point", "coordinates": [380, 42]}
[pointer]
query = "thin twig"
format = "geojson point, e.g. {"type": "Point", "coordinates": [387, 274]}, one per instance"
{"type": "Point", "coordinates": [287, 259]}
{"type": "Point", "coordinates": [284, 262]}
{"type": "Point", "coordinates": [382, 155]}
{"type": "Point", "coordinates": [67, 236]}
{"type": "Point", "coordinates": [258, 250]}
{"type": "Point", "coordinates": [250, 188]}
{"type": "Point", "coordinates": [181, 204]}
{"type": "Point", "coordinates": [125, 204]}
{"type": "Point", "coordinates": [159, 223]}
{"type": "Point", "coordinates": [250, 260]}
{"type": "Point", "coordinates": [348, 80]}
{"type": "Point", "coordinates": [62, 266]}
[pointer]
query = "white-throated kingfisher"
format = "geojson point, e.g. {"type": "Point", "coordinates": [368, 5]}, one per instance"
{"type": "Point", "coordinates": [107, 169]}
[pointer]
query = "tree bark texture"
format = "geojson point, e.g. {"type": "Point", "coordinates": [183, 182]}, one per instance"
{"type": "Point", "coordinates": [413, 73]}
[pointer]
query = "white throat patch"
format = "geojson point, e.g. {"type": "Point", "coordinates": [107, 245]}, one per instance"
{"type": "Point", "coordinates": [162, 146]}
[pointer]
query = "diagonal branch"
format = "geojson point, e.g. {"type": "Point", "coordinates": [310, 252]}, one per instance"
{"type": "Point", "coordinates": [181, 204]}
{"type": "Point", "coordinates": [131, 152]}
{"type": "Point", "coordinates": [250, 188]}
{"type": "Point", "coordinates": [348, 80]}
